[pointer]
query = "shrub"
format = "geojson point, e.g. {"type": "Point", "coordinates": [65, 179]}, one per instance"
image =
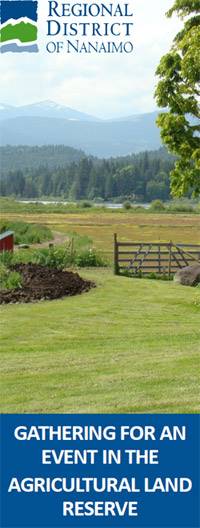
{"type": "Point", "coordinates": [9, 280]}
{"type": "Point", "coordinates": [89, 258]}
{"type": "Point", "coordinates": [127, 205]}
{"type": "Point", "coordinates": [64, 257]}
{"type": "Point", "coordinates": [85, 204]}
{"type": "Point", "coordinates": [157, 205]}
{"type": "Point", "coordinates": [52, 257]}
{"type": "Point", "coordinates": [14, 280]}
{"type": "Point", "coordinates": [182, 206]}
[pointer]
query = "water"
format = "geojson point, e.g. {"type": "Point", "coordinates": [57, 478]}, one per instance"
{"type": "Point", "coordinates": [108, 205]}
{"type": "Point", "coordinates": [120, 205]}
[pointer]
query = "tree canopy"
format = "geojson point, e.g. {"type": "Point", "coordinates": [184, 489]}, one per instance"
{"type": "Point", "coordinates": [178, 91]}
{"type": "Point", "coordinates": [143, 177]}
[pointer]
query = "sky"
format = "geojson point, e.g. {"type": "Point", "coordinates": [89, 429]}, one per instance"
{"type": "Point", "coordinates": [104, 85]}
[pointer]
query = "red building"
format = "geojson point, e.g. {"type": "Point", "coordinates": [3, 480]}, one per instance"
{"type": "Point", "coordinates": [7, 241]}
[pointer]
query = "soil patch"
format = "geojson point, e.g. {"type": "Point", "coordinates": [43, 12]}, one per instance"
{"type": "Point", "coordinates": [41, 282]}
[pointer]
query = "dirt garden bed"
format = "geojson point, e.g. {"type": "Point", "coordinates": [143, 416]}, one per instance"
{"type": "Point", "coordinates": [43, 283]}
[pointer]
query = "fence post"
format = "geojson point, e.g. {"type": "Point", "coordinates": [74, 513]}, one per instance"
{"type": "Point", "coordinates": [116, 264]}
{"type": "Point", "coordinates": [170, 258]}
{"type": "Point", "coordinates": [159, 260]}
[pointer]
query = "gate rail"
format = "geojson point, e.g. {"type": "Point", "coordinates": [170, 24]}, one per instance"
{"type": "Point", "coordinates": [153, 257]}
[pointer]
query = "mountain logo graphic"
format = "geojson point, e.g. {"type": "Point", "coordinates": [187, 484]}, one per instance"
{"type": "Point", "coordinates": [18, 30]}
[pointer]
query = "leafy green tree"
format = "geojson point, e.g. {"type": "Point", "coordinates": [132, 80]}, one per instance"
{"type": "Point", "coordinates": [178, 91]}
{"type": "Point", "coordinates": [156, 190]}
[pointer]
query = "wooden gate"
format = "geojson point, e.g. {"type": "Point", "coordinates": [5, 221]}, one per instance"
{"type": "Point", "coordinates": [145, 258]}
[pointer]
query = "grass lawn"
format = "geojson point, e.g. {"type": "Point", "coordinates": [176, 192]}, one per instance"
{"type": "Point", "coordinates": [130, 345]}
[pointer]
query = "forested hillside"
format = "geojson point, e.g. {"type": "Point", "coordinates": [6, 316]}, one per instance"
{"type": "Point", "coordinates": [24, 157]}
{"type": "Point", "coordinates": [43, 171]}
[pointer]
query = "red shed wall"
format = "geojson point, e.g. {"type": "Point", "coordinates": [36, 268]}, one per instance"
{"type": "Point", "coordinates": [7, 244]}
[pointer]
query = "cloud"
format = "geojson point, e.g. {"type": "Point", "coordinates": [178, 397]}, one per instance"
{"type": "Point", "coordinates": [106, 85]}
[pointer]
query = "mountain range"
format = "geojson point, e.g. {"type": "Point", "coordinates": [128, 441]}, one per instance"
{"type": "Point", "coordinates": [43, 109]}
{"type": "Point", "coordinates": [46, 123]}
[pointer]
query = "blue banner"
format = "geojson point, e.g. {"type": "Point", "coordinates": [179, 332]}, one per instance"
{"type": "Point", "coordinates": [100, 471]}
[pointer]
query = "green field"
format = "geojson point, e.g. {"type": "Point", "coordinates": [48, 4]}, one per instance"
{"type": "Point", "coordinates": [100, 226]}
{"type": "Point", "coordinates": [127, 346]}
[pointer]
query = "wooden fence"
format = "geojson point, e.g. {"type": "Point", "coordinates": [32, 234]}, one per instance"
{"type": "Point", "coordinates": [153, 257]}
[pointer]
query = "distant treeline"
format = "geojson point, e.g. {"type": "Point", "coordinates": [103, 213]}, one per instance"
{"type": "Point", "coordinates": [24, 157]}
{"type": "Point", "coordinates": [35, 172]}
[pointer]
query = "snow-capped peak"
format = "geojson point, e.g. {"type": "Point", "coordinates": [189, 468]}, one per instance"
{"type": "Point", "coordinates": [46, 104]}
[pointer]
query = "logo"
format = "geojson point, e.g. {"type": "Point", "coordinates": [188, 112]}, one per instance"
{"type": "Point", "coordinates": [18, 31]}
